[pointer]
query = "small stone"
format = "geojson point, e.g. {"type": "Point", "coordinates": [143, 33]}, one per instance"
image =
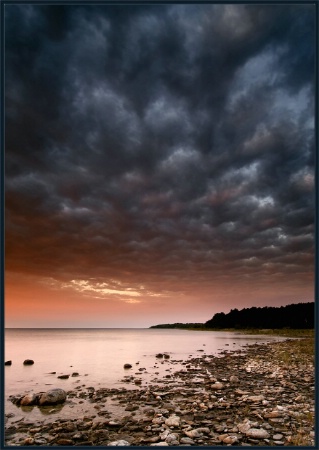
{"type": "Point", "coordinates": [171, 438]}
{"type": "Point", "coordinates": [256, 398]}
{"type": "Point", "coordinates": [230, 440]}
{"type": "Point", "coordinates": [244, 427]}
{"type": "Point", "coordinates": [217, 386]}
{"type": "Point", "coordinates": [64, 441]}
{"type": "Point", "coordinates": [112, 423]}
{"type": "Point", "coordinates": [257, 433]}
{"type": "Point", "coordinates": [63, 377]}
{"type": "Point", "coordinates": [173, 421]}
{"type": "Point", "coordinates": [127, 366]}
{"type": "Point", "coordinates": [193, 434]}
{"type": "Point", "coordinates": [234, 379]}
{"type": "Point", "coordinates": [40, 441]}
{"type": "Point", "coordinates": [277, 437]}
{"type": "Point", "coordinates": [121, 442]}
{"type": "Point", "coordinates": [28, 362]}
{"type": "Point", "coordinates": [186, 440]}
{"type": "Point", "coordinates": [159, 444]}
{"type": "Point", "coordinates": [8, 363]}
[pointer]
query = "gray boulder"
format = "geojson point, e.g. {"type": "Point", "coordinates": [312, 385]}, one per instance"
{"type": "Point", "coordinates": [52, 397]}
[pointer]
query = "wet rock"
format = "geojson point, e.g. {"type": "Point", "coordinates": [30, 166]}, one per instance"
{"type": "Point", "coordinates": [29, 400]}
{"type": "Point", "coordinates": [28, 362]}
{"type": "Point", "coordinates": [52, 397]}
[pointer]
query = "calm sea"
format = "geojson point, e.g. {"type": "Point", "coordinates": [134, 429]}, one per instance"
{"type": "Point", "coordinates": [98, 355]}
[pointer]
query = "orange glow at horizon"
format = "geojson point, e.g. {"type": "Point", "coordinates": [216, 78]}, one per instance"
{"type": "Point", "coordinates": [30, 303]}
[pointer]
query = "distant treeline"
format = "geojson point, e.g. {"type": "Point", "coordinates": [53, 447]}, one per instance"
{"type": "Point", "coordinates": [179, 325]}
{"type": "Point", "coordinates": [297, 316]}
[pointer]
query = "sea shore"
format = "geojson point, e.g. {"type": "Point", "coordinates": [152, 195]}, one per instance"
{"type": "Point", "coordinates": [262, 395]}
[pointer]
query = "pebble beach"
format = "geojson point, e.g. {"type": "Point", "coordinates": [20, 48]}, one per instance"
{"type": "Point", "coordinates": [263, 395]}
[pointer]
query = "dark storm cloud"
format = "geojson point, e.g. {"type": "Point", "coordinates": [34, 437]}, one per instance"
{"type": "Point", "coordinates": [152, 142]}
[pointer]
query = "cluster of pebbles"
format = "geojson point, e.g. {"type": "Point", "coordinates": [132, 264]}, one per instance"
{"type": "Point", "coordinates": [242, 398]}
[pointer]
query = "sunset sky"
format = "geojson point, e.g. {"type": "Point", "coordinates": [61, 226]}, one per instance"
{"type": "Point", "coordinates": [159, 161]}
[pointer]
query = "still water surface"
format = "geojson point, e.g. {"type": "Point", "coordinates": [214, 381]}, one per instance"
{"type": "Point", "coordinates": [99, 355]}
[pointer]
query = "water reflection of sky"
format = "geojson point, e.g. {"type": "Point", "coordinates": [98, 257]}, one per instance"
{"type": "Point", "coordinates": [99, 356]}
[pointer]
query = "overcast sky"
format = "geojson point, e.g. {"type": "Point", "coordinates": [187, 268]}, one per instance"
{"type": "Point", "coordinates": [159, 161]}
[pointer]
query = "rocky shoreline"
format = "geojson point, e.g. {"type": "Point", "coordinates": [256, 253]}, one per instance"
{"type": "Point", "coordinates": [260, 396]}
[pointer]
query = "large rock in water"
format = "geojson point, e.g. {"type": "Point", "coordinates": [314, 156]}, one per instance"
{"type": "Point", "coordinates": [52, 397]}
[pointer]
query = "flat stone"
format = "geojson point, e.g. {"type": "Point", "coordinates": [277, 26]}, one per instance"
{"type": "Point", "coordinates": [277, 437]}
{"type": "Point", "coordinates": [256, 398]}
{"type": "Point", "coordinates": [186, 440]}
{"type": "Point", "coordinates": [257, 433]}
{"type": "Point", "coordinates": [120, 442]}
{"type": "Point", "coordinates": [217, 386]}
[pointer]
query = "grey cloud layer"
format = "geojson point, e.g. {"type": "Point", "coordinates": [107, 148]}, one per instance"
{"type": "Point", "coordinates": [160, 141]}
